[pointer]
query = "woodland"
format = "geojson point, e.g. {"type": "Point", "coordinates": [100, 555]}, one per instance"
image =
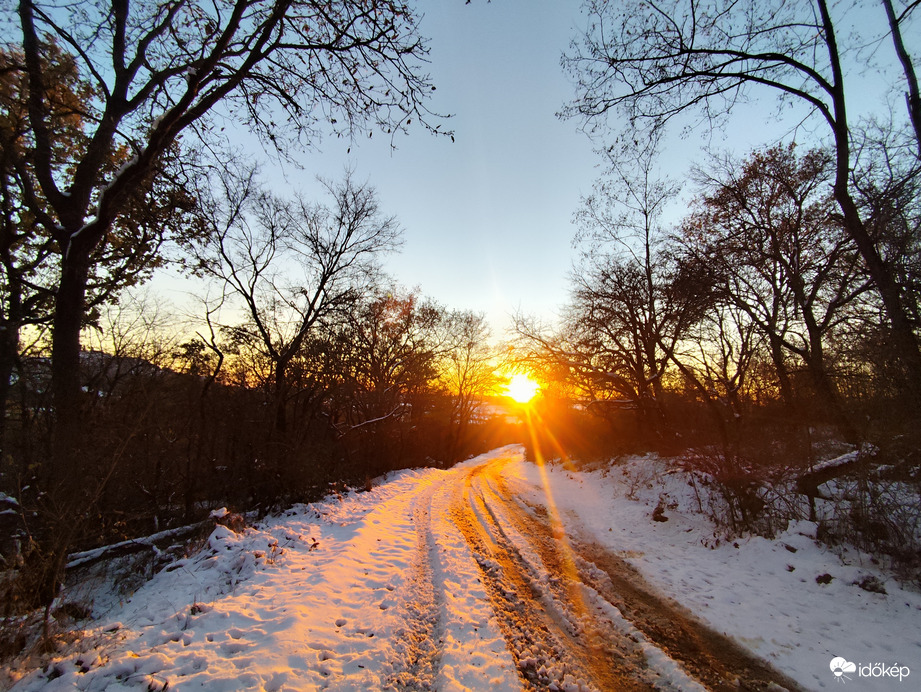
{"type": "Point", "coordinates": [773, 326]}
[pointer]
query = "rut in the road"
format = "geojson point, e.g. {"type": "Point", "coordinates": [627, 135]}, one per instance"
{"type": "Point", "coordinates": [714, 660]}
{"type": "Point", "coordinates": [419, 645]}
{"type": "Point", "coordinates": [554, 641]}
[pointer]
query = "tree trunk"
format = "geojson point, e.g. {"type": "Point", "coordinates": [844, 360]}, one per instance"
{"type": "Point", "coordinates": [825, 388]}
{"type": "Point", "coordinates": [658, 393]}
{"type": "Point", "coordinates": [913, 95]}
{"type": "Point", "coordinates": [10, 330]}
{"type": "Point", "coordinates": [827, 391]}
{"type": "Point", "coordinates": [65, 365]}
{"type": "Point", "coordinates": [783, 377]}
{"type": "Point", "coordinates": [9, 355]}
{"type": "Point", "coordinates": [904, 339]}
{"type": "Point", "coordinates": [459, 419]}
{"type": "Point", "coordinates": [829, 396]}
{"type": "Point", "coordinates": [903, 335]}
{"type": "Point", "coordinates": [281, 397]}
{"type": "Point", "coordinates": [719, 418]}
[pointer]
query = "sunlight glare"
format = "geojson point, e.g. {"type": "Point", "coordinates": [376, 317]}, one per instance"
{"type": "Point", "coordinates": [521, 388]}
{"type": "Point", "coordinates": [565, 552]}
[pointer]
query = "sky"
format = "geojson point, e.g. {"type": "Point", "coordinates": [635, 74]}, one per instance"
{"type": "Point", "coordinates": [487, 218]}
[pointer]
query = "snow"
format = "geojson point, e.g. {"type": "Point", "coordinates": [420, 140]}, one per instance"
{"type": "Point", "coordinates": [843, 460]}
{"type": "Point", "coordinates": [761, 592]}
{"type": "Point", "coordinates": [83, 557]}
{"type": "Point", "coordinates": [380, 590]}
{"type": "Point", "coordinates": [317, 597]}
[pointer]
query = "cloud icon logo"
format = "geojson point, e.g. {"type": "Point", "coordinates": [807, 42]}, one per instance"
{"type": "Point", "coordinates": [839, 666]}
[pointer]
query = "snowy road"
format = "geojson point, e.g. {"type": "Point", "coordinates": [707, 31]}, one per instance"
{"type": "Point", "coordinates": [441, 580]}
{"type": "Point", "coordinates": [577, 617]}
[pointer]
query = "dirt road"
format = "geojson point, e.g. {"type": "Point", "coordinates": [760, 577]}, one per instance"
{"type": "Point", "coordinates": [574, 616]}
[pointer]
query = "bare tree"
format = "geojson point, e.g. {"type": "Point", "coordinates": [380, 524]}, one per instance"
{"type": "Point", "coordinates": [623, 299]}
{"type": "Point", "coordinates": [396, 339]}
{"type": "Point", "coordinates": [722, 348]}
{"type": "Point", "coordinates": [887, 181]}
{"type": "Point", "coordinates": [655, 60]}
{"type": "Point", "coordinates": [284, 68]}
{"type": "Point", "coordinates": [767, 231]}
{"type": "Point", "coordinates": [615, 346]}
{"type": "Point", "coordinates": [291, 264]}
{"type": "Point", "coordinates": [387, 355]}
{"type": "Point", "coordinates": [913, 93]}
{"type": "Point", "coordinates": [468, 370]}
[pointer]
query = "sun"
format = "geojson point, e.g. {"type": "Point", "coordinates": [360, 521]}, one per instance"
{"type": "Point", "coordinates": [521, 388]}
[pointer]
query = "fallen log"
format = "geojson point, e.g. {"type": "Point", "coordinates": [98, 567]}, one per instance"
{"type": "Point", "coordinates": [133, 545]}
{"type": "Point", "coordinates": [808, 483]}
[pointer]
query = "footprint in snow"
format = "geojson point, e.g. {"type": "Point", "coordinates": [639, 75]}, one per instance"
{"type": "Point", "coordinates": [233, 647]}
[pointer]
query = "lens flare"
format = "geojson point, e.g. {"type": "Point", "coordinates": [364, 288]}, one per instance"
{"type": "Point", "coordinates": [521, 388]}
{"type": "Point", "coordinates": [537, 429]}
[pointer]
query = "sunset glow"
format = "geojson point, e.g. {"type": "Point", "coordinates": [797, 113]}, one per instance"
{"type": "Point", "coordinates": [521, 388]}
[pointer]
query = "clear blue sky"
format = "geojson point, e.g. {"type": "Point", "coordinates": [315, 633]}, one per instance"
{"type": "Point", "coordinates": [487, 217]}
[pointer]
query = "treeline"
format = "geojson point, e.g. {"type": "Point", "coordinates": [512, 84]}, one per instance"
{"type": "Point", "coordinates": [751, 320]}
{"type": "Point", "coordinates": [783, 292]}
{"type": "Point", "coordinates": [747, 340]}
{"type": "Point", "coordinates": [307, 369]}
{"type": "Point", "coordinates": [304, 365]}
{"type": "Point", "coordinates": [175, 426]}
{"type": "Point", "coordinates": [768, 318]}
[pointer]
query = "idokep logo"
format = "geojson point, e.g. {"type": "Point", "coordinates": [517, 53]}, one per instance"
{"type": "Point", "coordinates": [839, 666]}
{"type": "Point", "coordinates": [844, 670]}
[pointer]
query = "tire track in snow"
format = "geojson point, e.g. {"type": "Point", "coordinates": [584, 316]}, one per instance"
{"type": "Point", "coordinates": [557, 646]}
{"type": "Point", "coordinates": [450, 640]}
{"type": "Point", "coordinates": [419, 645]}
{"type": "Point", "coordinates": [666, 629]}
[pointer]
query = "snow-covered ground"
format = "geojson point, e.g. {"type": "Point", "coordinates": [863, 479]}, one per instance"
{"type": "Point", "coordinates": [761, 592]}
{"type": "Point", "coordinates": [328, 595]}
{"type": "Point", "coordinates": [383, 590]}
